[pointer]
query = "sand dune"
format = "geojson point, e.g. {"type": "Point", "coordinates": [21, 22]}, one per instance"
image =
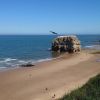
{"type": "Point", "coordinates": [48, 80]}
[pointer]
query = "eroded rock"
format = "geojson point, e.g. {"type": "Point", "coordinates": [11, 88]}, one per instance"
{"type": "Point", "coordinates": [66, 44]}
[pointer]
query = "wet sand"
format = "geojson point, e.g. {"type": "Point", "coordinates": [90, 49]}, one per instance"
{"type": "Point", "coordinates": [48, 80]}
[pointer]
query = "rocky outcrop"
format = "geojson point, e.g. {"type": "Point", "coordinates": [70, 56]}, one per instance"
{"type": "Point", "coordinates": [66, 44]}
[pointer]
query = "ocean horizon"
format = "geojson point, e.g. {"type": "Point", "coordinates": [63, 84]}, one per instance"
{"type": "Point", "coordinates": [19, 49]}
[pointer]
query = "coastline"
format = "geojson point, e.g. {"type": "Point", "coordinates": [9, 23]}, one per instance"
{"type": "Point", "coordinates": [36, 62]}
{"type": "Point", "coordinates": [41, 82]}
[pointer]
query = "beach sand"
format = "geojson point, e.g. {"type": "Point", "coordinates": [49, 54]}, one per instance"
{"type": "Point", "coordinates": [49, 80]}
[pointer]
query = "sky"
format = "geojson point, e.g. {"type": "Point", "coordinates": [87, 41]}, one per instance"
{"type": "Point", "coordinates": [41, 16]}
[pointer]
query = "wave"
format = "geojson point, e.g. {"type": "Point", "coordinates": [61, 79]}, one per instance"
{"type": "Point", "coordinates": [46, 59]}
{"type": "Point", "coordinates": [3, 67]}
{"type": "Point", "coordinates": [6, 63]}
{"type": "Point", "coordinates": [7, 60]}
{"type": "Point", "coordinates": [93, 47]}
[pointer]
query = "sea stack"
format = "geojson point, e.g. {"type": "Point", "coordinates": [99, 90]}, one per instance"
{"type": "Point", "coordinates": [70, 44]}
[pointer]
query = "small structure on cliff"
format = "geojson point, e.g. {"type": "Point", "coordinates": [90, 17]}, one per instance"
{"type": "Point", "coordinates": [69, 44]}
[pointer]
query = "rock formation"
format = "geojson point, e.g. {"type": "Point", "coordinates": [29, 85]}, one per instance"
{"type": "Point", "coordinates": [66, 44]}
{"type": "Point", "coordinates": [27, 65]}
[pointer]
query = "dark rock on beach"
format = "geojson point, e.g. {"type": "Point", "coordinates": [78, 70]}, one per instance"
{"type": "Point", "coordinates": [27, 65]}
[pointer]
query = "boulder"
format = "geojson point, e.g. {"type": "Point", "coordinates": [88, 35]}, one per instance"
{"type": "Point", "coordinates": [27, 65]}
{"type": "Point", "coordinates": [66, 44]}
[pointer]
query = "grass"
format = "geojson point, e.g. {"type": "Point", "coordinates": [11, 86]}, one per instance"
{"type": "Point", "coordinates": [96, 52]}
{"type": "Point", "coordinates": [89, 91]}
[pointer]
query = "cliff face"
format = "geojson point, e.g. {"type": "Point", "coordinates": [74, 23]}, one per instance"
{"type": "Point", "coordinates": [66, 44]}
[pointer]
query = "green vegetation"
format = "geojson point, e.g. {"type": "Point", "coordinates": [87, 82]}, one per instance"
{"type": "Point", "coordinates": [96, 52]}
{"type": "Point", "coordinates": [90, 91]}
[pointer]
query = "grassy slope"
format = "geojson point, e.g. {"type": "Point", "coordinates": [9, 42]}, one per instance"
{"type": "Point", "coordinates": [96, 52]}
{"type": "Point", "coordinates": [90, 91]}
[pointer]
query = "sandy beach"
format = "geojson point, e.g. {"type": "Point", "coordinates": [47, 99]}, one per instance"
{"type": "Point", "coordinates": [49, 80]}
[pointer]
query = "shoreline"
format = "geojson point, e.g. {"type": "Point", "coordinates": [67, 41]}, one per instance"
{"type": "Point", "coordinates": [41, 82]}
{"type": "Point", "coordinates": [14, 66]}
{"type": "Point", "coordinates": [37, 62]}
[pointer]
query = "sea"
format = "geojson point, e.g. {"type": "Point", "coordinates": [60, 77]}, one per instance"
{"type": "Point", "coordinates": [20, 49]}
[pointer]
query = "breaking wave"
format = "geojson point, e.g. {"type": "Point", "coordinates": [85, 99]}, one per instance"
{"type": "Point", "coordinates": [13, 63]}
{"type": "Point", "coordinates": [93, 47]}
